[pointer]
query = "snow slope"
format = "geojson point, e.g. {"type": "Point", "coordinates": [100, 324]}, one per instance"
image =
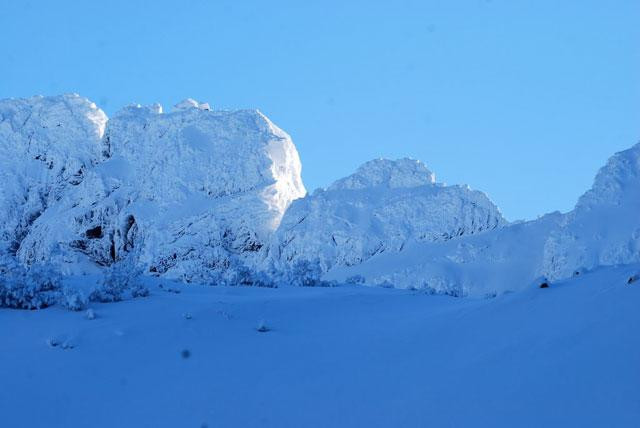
{"type": "Point", "coordinates": [340, 357]}
{"type": "Point", "coordinates": [485, 264]}
{"type": "Point", "coordinates": [604, 227]}
{"type": "Point", "coordinates": [382, 207]}
{"type": "Point", "coordinates": [603, 230]}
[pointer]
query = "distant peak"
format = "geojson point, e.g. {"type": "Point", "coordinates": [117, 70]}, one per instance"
{"type": "Point", "coordinates": [385, 172]}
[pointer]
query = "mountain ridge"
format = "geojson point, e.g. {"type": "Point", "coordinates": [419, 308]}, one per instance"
{"type": "Point", "coordinates": [216, 197]}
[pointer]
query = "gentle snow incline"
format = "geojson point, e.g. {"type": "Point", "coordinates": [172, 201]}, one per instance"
{"type": "Point", "coordinates": [346, 356]}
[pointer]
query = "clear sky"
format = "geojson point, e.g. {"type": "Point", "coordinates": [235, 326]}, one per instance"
{"type": "Point", "coordinates": [524, 100]}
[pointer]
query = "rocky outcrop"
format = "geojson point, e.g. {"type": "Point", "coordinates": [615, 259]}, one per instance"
{"type": "Point", "coordinates": [381, 208]}
{"type": "Point", "coordinates": [216, 197]}
{"type": "Point", "coordinates": [602, 230]}
{"type": "Point", "coordinates": [47, 146]}
{"type": "Point", "coordinates": [189, 193]}
{"type": "Point", "coordinates": [604, 227]}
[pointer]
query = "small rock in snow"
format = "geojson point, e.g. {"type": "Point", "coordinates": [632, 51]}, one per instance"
{"type": "Point", "coordinates": [262, 327]}
{"type": "Point", "coordinates": [53, 342]}
{"type": "Point", "coordinates": [67, 345]}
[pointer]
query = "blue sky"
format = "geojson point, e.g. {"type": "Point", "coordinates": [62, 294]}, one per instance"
{"type": "Point", "coordinates": [524, 100]}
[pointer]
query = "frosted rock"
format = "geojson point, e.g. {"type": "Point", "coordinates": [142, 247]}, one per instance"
{"type": "Point", "coordinates": [191, 103]}
{"type": "Point", "coordinates": [604, 227]}
{"type": "Point", "coordinates": [47, 146]}
{"type": "Point", "coordinates": [186, 104]}
{"type": "Point", "coordinates": [190, 193]}
{"type": "Point", "coordinates": [382, 207]}
{"type": "Point", "coordinates": [216, 197]}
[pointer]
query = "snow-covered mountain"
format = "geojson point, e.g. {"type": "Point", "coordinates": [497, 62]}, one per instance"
{"type": "Point", "coordinates": [381, 208]}
{"type": "Point", "coordinates": [604, 227]}
{"type": "Point", "coordinates": [216, 197]}
{"type": "Point", "coordinates": [602, 230]}
{"type": "Point", "coordinates": [190, 193]}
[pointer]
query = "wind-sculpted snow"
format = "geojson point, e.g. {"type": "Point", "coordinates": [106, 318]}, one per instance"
{"type": "Point", "coordinates": [485, 264]}
{"type": "Point", "coordinates": [381, 208]}
{"type": "Point", "coordinates": [47, 146]}
{"type": "Point", "coordinates": [190, 193]}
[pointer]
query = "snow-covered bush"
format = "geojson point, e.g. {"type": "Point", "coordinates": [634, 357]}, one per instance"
{"type": "Point", "coordinates": [74, 298]}
{"type": "Point", "coordinates": [243, 275]}
{"type": "Point", "coordinates": [386, 284]}
{"type": "Point", "coordinates": [28, 288]}
{"type": "Point", "coordinates": [121, 280]}
{"type": "Point", "coordinates": [39, 286]}
{"type": "Point", "coordinates": [113, 286]}
{"type": "Point", "coordinates": [305, 273]}
{"type": "Point", "coordinates": [233, 273]}
{"type": "Point", "coordinates": [355, 279]}
{"type": "Point", "coordinates": [452, 290]}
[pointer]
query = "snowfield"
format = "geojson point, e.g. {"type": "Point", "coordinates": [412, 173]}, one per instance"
{"type": "Point", "coordinates": [341, 357]}
{"type": "Point", "coordinates": [387, 299]}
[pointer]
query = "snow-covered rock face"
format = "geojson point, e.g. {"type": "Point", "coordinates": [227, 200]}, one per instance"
{"type": "Point", "coordinates": [198, 194]}
{"type": "Point", "coordinates": [382, 207]}
{"type": "Point", "coordinates": [47, 145]}
{"type": "Point", "coordinates": [604, 227]}
{"type": "Point", "coordinates": [189, 192]}
{"type": "Point", "coordinates": [208, 154]}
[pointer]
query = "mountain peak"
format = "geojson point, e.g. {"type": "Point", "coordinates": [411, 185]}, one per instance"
{"type": "Point", "coordinates": [616, 180]}
{"type": "Point", "coordinates": [398, 173]}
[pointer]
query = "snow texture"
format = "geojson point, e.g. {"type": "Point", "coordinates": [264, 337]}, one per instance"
{"type": "Point", "coordinates": [334, 357]}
